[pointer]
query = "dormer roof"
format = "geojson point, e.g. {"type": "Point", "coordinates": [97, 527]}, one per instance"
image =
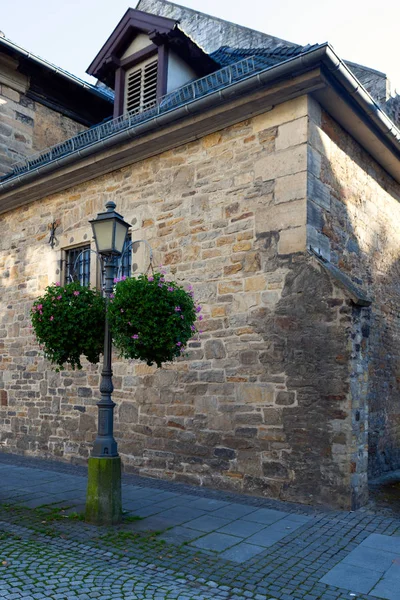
{"type": "Point", "coordinates": [160, 30]}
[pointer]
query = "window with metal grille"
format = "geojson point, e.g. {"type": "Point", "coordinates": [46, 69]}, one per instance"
{"type": "Point", "coordinates": [77, 265]}
{"type": "Point", "coordinates": [141, 85]}
{"type": "Point", "coordinates": [125, 261]}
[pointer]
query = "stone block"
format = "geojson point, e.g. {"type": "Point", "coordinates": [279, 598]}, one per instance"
{"type": "Point", "coordinates": [286, 162]}
{"type": "Point", "coordinates": [249, 393]}
{"type": "Point", "coordinates": [288, 111]}
{"type": "Point", "coordinates": [214, 349]}
{"type": "Point", "coordinates": [230, 287]}
{"type": "Point", "coordinates": [272, 416]}
{"type": "Point", "coordinates": [290, 187]}
{"type": "Point", "coordinates": [318, 242]}
{"type": "Point", "coordinates": [275, 470]}
{"type": "Point", "coordinates": [128, 412]}
{"type": "Point", "coordinates": [292, 133]}
{"type": "Point", "coordinates": [226, 453]}
{"type": "Point", "coordinates": [292, 240]}
{"type": "Point", "coordinates": [254, 284]}
{"type": "Point", "coordinates": [10, 93]}
{"type": "Point", "coordinates": [282, 216]}
{"type": "Point", "coordinates": [285, 398]}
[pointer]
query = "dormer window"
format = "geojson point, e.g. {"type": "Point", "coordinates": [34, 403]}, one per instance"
{"type": "Point", "coordinates": [141, 85]}
{"type": "Point", "coordinates": [146, 57]}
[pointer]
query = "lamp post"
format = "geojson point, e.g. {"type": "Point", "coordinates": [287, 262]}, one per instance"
{"type": "Point", "coordinates": [103, 501]}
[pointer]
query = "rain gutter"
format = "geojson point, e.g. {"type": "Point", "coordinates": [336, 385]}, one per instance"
{"type": "Point", "coordinates": [323, 56]}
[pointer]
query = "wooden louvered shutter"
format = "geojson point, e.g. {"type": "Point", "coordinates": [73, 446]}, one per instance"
{"type": "Point", "coordinates": [141, 86]}
{"type": "Point", "coordinates": [150, 82]}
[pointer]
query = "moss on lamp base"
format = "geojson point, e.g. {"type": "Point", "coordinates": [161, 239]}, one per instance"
{"type": "Point", "coordinates": [103, 499]}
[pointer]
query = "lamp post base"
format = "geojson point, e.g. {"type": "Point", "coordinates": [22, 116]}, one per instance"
{"type": "Point", "coordinates": [103, 499]}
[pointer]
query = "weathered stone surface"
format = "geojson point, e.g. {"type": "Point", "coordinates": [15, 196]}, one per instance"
{"type": "Point", "coordinates": [271, 398]}
{"type": "Point", "coordinates": [214, 349]}
{"type": "Point", "coordinates": [28, 126]}
{"type": "Point", "coordinates": [128, 412]}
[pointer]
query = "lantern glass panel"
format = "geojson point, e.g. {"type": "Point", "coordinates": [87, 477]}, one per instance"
{"type": "Point", "coordinates": [120, 235]}
{"type": "Point", "coordinates": [103, 233]}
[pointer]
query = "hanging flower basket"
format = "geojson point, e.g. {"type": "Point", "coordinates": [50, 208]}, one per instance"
{"type": "Point", "coordinates": [69, 322]}
{"type": "Point", "coordinates": [151, 319]}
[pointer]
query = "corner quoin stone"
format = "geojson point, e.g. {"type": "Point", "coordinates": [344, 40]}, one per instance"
{"type": "Point", "coordinates": [103, 499]}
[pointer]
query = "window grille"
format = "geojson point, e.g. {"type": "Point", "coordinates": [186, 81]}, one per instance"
{"type": "Point", "coordinates": [125, 261]}
{"type": "Point", "coordinates": [141, 86]}
{"type": "Point", "coordinates": [77, 265]}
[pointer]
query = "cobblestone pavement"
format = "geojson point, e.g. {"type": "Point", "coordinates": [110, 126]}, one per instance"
{"type": "Point", "coordinates": [184, 542]}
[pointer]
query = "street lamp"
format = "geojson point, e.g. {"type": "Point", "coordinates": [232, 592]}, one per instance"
{"type": "Point", "coordinates": [103, 503]}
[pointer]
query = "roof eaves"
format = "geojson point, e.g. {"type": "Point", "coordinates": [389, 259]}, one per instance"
{"type": "Point", "coordinates": [323, 55]}
{"type": "Point", "coordinates": [51, 67]}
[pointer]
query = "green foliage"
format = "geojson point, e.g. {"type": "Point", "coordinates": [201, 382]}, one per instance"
{"type": "Point", "coordinates": [151, 319]}
{"type": "Point", "coordinates": [69, 322]}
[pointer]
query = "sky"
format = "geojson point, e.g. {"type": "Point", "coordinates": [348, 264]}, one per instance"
{"type": "Point", "coordinates": [69, 33]}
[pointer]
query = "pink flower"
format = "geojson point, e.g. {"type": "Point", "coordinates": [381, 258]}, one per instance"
{"type": "Point", "coordinates": [122, 310]}
{"type": "Point", "coordinates": [182, 317]}
{"type": "Point", "coordinates": [39, 306]}
{"type": "Point", "coordinates": [57, 283]}
{"type": "Point", "coordinates": [163, 270]}
{"type": "Point", "coordinates": [198, 309]}
{"type": "Point", "coordinates": [160, 285]}
{"type": "Point", "coordinates": [179, 344]}
{"type": "Point", "coordinates": [123, 277]}
{"type": "Point", "coordinates": [76, 293]}
{"type": "Point", "coordinates": [51, 318]}
{"type": "Point", "coordinates": [59, 297]}
{"type": "Point", "coordinates": [170, 288]}
{"type": "Point", "coordinates": [135, 337]}
{"type": "Point", "coordinates": [190, 287]}
{"type": "Point", "coordinates": [129, 323]}
{"type": "Point", "coordinates": [178, 309]}
{"type": "Point", "coordinates": [150, 278]}
{"type": "Point", "coordinates": [193, 328]}
{"type": "Point", "coordinates": [112, 295]}
{"type": "Point", "coordinates": [200, 317]}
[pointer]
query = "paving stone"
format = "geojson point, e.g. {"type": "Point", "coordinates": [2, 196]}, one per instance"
{"type": "Point", "coordinates": [242, 552]}
{"type": "Point", "coordinates": [218, 542]}
{"type": "Point", "coordinates": [371, 558]}
{"type": "Point", "coordinates": [179, 535]}
{"type": "Point", "coordinates": [382, 542]}
{"type": "Point", "coordinates": [207, 523]}
{"type": "Point", "coordinates": [179, 515]}
{"type": "Point", "coordinates": [265, 515]}
{"type": "Point", "coordinates": [209, 504]}
{"type": "Point", "coordinates": [236, 511]}
{"type": "Point", "coordinates": [241, 528]}
{"type": "Point", "coordinates": [108, 563]}
{"type": "Point", "coordinates": [352, 578]}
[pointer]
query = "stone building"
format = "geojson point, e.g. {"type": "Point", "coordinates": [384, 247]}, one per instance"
{"type": "Point", "coordinates": [265, 175]}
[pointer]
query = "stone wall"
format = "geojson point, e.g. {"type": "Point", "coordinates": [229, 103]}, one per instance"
{"type": "Point", "coordinates": [264, 401]}
{"type": "Point", "coordinates": [26, 126]}
{"type": "Point", "coordinates": [354, 221]}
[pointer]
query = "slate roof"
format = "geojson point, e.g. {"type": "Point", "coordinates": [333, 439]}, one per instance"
{"type": "Point", "coordinates": [263, 57]}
